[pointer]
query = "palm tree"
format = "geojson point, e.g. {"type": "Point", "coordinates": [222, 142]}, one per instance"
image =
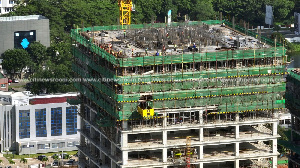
{"type": "Point", "coordinates": [23, 160]}
{"type": "Point", "coordinates": [45, 159]}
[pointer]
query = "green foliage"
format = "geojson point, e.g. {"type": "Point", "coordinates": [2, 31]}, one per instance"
{"type": "Point", "coordinates": [11, 162]}
{"type": "Point", "coordinates": [254, 11]}
{"type": "Point", "coordinates": [45, 159]}
{"type": "Point", "coordinates": [23, 160]}
{"type": "Point", "coordinates": [1, 161]}
{"type": "Point", "coordinates": [37, 52]}
{"type": "Point", "coordinates": [15, 60]}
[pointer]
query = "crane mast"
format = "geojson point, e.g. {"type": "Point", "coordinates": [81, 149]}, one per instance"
{"type": "Point", "coordinates": [125, 7]}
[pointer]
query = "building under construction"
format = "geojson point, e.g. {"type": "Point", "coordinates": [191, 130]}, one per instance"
{"type": "Point", "coordinates": [293, 104]}
{"type": "Point", "coordinates": [193, 94]}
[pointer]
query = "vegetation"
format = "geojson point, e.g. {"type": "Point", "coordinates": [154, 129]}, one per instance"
{"type": "Point", "coordinates": [11, 162]}
{"type": "Point", "coordinates": [9, 156]}
{"type": "Point", "coordinates": [15, 60]}
{"type": "Point", "coordinates": [23, 160]}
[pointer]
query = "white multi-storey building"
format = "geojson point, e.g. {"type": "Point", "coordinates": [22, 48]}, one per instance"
{"type": "Point", "coordinates": [6, 6]}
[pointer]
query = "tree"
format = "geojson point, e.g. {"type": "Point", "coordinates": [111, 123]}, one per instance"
{"type": "Point", "coordinates": [23, 160]}
{"type": "Point", "coordinates": [45, 159]}
{"type": "Point", "coordinates": [15, 60]}
{"type": "Point", "coordinates": [37, 52]}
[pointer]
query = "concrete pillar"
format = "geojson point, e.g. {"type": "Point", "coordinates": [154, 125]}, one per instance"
{"type": "Point", "coordinates": [237, 149]}
{"type": "Point", "coordinates": [237, 163]}
{"type": "Point", "coordinates": [165, 155]}
{"type": "Point", "coordinates": [201, 116]}
{"type": "Point", "coordinates": [274, 162]}
{"type": "Point", "coordinates": [237, 117]}
{"type": "Point", "coordinates": [201, 134]}
{"type": "Point", "coordinates": [165, 137]}
{"type": "Point", "coordinates": [124, 140]}
{"type": "Point", "coordinates": [201, 165]}
{"type": "Point", "coordinates": [165, 166]}
{"type": "Point", "coordinates": [125, 157]}
{"type": "Point", "coordinates": [237, 131]}
{"type": "Point", "coordinates": [125, 125]}
{"type": "Point", "coordinates": [113, 149]}
{"type": "Point", "coordinates": [165, 120]}
{"type": "Point", "coordinates": [113, 164]}
{"type": "Point", "coordinates": [274, 146]}
{"type": "Point", "coordinates": [102, 157]}
{"type": "Point", "coordinates": [274, 128]}
{"type": "Point", "coordinates": [201, 154]}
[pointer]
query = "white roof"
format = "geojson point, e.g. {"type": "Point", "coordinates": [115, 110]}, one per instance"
{"type": "Point", "coordinates": [17, 18]}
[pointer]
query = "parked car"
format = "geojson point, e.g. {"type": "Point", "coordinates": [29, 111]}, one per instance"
{"type": "Point", "coordinates": [55, 163]}
{"type": "Point", "coordinates": [70, 162]}
{"type": "Point", "coordinates": [15, 81]}
{"type": "Point", "coordinates": [41, 157]}
{"type": "Point", "coordinates": [9, 81]}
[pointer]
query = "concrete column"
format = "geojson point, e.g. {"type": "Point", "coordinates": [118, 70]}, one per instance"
{"type": "Point", "coordinates": [237, 149]}
{"type": "Point", "coordinates": [237, 163]}
{"type": "Point", "coordinates": [274, 162]}
{"type": "Point", "coordinates": [274, 146]}
{"type": "Point", "coordinates": [237, 131]}
{"type": "Point", "coordinates": [237, 117]}
{"type": "Point", "coordinates": [102, 157]}
{"type": "Point", "coordinates": [201, 154]}
{"type": "Point", "coordinates": [125, 157]}
{"type": "Point", "coordinates": [125, 125]}
{"type": "Point", "coordinates": [113, 149]}
{"type": "Point", "coordinates": [165, 120]}
{"type": "Point", "coordinates": [201, 134]}
{"type": "Point", "coordinates": [274, 128]}
{"type": "Point", "coordinates": [113, 164]}
{"type": "Point", "coordinates": [201, 165]}
{"type": "Point", "coordinates": [165, 137]}
{"type": "Point", "coordinates": [201, 116]}
{"type": "Point", "coordinates": [165, 166]}
{"type": "Point", "coordinates": [165, 155]}
{"type": "Point", "coordinates": [124, 140]}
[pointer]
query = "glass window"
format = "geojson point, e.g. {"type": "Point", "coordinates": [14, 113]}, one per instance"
{"type": "Point", "coordinates": [62, 145]}
{"type": "Point", "coordinates": [24, 124]}
{"type": "Point", "coordinates": [54, 145]}
{"type": "Point", "coordinates": [70, 144]}
{"type": "Point", "coordinates": [3, 86]}
{"type": "Point", "coordinates": [11, 2]}
{"type": "Point", "coordinates": [56, 121]}
{"type": "Point", "coordinates": [71, 120]}
{"type": "Point", "coordinates": [40, 122]}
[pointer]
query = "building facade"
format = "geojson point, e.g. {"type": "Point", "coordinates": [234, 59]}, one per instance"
{"type": "Point", "coordinates": [39, 124]}
{"type": "Point", "coordinates": [293, 104]}
{"type": "Point", "coordinates": [6, 6]}
{"type": "Point", "coordinates": [193, 94]}
{"type": "Point", "coordinates": [20, 31]}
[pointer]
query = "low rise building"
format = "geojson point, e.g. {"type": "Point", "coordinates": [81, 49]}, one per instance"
{"type": "Point", "coordinates": [38, 124]}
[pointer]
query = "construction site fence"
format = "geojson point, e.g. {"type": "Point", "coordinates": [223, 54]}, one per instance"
{"type": "Point", "coordinates": [253, 34]}
{"type": "Point", "coordinates": [174, 59]}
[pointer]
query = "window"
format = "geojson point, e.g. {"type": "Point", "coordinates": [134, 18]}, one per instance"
{"type": "Point", "coordinates": [3, 86]}
{"type": "Point", "coordinates": [70, 144]}
{"type": "Point", "coordinates": [40, 122]}
{"type": "Point", "coordinates": [71, 120]}
{"type": "Point", "coordinates": [54, 145]}
{"type": "Point", "coordinates": [43, 146]}
{"type": "Point", "coordinates": [56, 121]}
{"type": "Point", "coordinates": [24, 124]}
{"type": "Point", "coordinates": [11, 1]}
{"type": "Point", "coordinates": [62, 145]}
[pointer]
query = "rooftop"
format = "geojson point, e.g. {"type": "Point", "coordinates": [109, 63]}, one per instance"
{"type": "Point", "coordinates": [18, 18]}
{"type": "Point", "coordinates": [183, 39]}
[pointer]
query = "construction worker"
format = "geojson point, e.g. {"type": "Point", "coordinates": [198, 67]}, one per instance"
{"type": "Point", "coordinates": [175, 47]}
{"type": "Point", "coordinates": [146, 51]}
{"type": "Point", "coordinates": [132, 52]}
{"type": "Point", "coordinates": [124, 33]}
{"type": "Point", "coordinates": [157, 53]}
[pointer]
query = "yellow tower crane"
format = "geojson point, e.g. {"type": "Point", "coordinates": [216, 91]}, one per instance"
{"type": "Point", "coordinates": [125, 7]}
